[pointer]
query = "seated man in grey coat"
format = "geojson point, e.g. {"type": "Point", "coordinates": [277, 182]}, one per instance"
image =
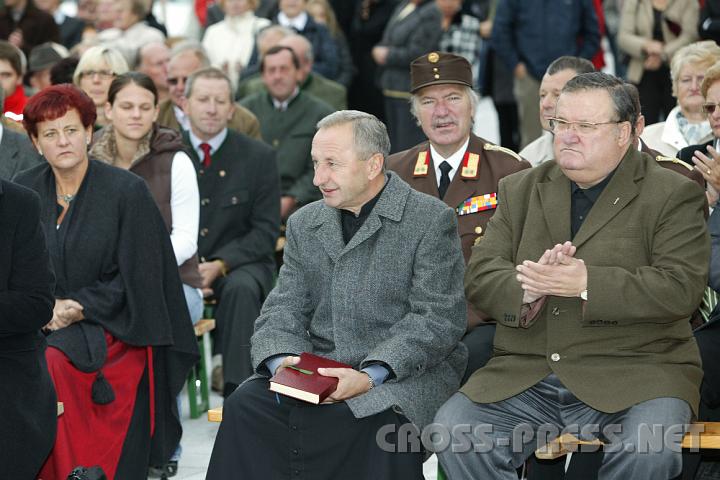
{"type": "Point", "coordinates": [372, 277]}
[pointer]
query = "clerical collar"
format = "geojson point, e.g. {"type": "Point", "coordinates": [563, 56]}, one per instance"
{"type": "Point", "coordinates": [282, 106]}
{"type": "Point", "coordinates": [351, 223]}
{"type": "Point", "coordinates": [298, 23]}
{"type": "Point", "coordinates": [215, 142]}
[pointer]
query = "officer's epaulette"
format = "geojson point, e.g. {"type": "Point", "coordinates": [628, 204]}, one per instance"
{"type": "Point", "coordinates": [498, 148]}
{"type": "Point", "coordinates": [662, 158]}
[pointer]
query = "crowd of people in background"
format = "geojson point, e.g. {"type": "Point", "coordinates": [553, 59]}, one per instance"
{"type": "Point", "coordinates": [174, 171]}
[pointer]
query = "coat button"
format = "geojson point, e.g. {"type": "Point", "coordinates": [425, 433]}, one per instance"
{"type": "Point", "coordinates": [556, 311]}
{"type": "Point", "coordinates": [203, 232]}
{"type": "Point", "coordinates": [275, 143]}
{"type": "Point", "coordinates": [234, 200]}
{"type": "Point", "coordinates": [222, 173]}
{"type": "Point", "coordinates": [555, 357]}
{"type": "Point", "coordinates": [478, 230]}
{"type": "Point", "coordinates": [205, 201]}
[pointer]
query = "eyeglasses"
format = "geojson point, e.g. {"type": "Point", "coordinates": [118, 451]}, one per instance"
{"type": "Point", "coordinates": [103, 74]}
{"type": "Point", "coordinates": [558, 125]}
{"type": "Point", "coordinates": [175, 80]}
{"type": "Point", "coordinates": [709, 108]}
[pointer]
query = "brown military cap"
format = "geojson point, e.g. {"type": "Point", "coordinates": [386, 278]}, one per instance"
{"type": "Point", "coordinates": [437, 68]}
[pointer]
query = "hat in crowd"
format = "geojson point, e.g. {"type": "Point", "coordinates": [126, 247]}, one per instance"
{"type": "Point", "coordinates": [436, 68]}
{"type": "Point", "coordinates": [46, 55]}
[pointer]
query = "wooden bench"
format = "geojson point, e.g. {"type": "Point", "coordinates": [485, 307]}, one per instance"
{"type": "Point", "coordinates": [568, 443]}
{"type": "Point", "coordinates": [198, 381]}
{"type": "Point", "coordinates": [215, 415]}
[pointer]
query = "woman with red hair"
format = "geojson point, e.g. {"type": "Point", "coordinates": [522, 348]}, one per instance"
{"type": "Point", "coordinates": [120, 340]}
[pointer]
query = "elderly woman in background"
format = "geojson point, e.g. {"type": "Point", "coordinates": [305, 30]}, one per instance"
{"type": "Point", "coordinates": [97, 68]}
{"type": "Point", "coordinates": [130, 32]}
{"type": "Point", "coordinates": [650, 32]}
{"type": "Point", "coordinates": [238, 29]}
{"type": "Point", "coordinates": [121, 342]}
{"type": "Point", "coordinates": [686, 124]}
{"type": "Point", "coordinates": [29, 412]}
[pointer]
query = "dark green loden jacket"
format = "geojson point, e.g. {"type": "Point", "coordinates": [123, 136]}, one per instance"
{"type": "Point", "coordinates": [290, 133]}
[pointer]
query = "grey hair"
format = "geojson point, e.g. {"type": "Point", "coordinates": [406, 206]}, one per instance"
{"type": "Point", "coordinates": [306, 43]}
{"type": "Point", "coordinates": [369, 134]}
{"type": "Point", "coordinates": [577, 64]}
{"type": "Point", "coordinates": [191, 46]}
{"type": "Point", "coordinates": [209, 72]}
{"type": "Point", "coordinates": [474, 100]}
{"type": "Point", "coordinates": [625, 108]}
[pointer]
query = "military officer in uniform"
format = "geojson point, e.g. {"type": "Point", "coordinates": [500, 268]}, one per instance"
{"type": "Point", "coordinates": [455, 165]}
{"type": "Point", "coordinates": [239, 217]}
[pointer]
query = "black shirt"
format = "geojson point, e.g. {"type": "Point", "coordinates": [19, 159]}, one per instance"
{"type": "Point", "coordinates": [582, 201]}
{"type": "Point", "coordinates": [352, 223]}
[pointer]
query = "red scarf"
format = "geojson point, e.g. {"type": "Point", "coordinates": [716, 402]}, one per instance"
{"type": "Point", "coordinates": [15, 103]}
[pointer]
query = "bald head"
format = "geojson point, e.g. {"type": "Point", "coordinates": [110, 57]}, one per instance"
{"type": "Point", "coordinates": [153, 59]}
{"type": "Point", "coordinates": [303, 50]}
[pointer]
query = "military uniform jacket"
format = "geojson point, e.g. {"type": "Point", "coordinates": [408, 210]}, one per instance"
{"type": "Point", "coordinates": [493, 165]}
{"type": "Point", "coordinates": [646, 247]}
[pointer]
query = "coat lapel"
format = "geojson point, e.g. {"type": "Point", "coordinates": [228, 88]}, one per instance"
{"type": "Point", "coordinates": [390, 205]}
{"type": "Point", "coordinates": [617, 195]}
{"type": "Point", "coordinates": [555, 205]}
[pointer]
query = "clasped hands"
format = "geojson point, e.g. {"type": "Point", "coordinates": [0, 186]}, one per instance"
{"type": "Point", "coordinates": [557, 272]}
{"type": "Point", "coordinates": [351, 382]}
{"type": "Point", "coordinates": [65, 312]}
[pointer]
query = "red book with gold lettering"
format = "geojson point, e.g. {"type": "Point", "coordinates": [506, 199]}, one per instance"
{"type": "Point", "coordinates": [302, 381]}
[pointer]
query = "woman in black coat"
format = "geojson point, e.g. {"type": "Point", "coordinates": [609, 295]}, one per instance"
{"type": "Point", "coordinates": [121, 341]}
{"type": "Point", "coordinates": [29, 412]}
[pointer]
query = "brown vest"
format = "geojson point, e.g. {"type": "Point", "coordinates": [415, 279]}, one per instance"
{"type": "Point", "coordinates": [157, 173]}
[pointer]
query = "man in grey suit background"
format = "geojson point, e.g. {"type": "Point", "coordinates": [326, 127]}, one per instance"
{"type": "Point", "coordinates": [372, 277]}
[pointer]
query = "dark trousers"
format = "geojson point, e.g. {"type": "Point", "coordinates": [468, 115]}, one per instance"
{"type": "Point", "coordinates": [265, 435]}
{"type": "Point", "coordinates": [479, 342]}
{"type": "Point", "coordinates": [240, 297]}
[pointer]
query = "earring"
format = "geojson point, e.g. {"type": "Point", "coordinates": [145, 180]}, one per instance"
{"type": "Point", "coordinates": [40, 152]}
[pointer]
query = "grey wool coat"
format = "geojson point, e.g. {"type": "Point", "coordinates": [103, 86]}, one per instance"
{"type": "Point", "coordinates": [393, 294]}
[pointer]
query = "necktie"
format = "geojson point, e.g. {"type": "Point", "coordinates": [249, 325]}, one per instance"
{"type": "Point", "coordinates": [205, 147]}
{"type": "Point", "coordinates": [445, 168]}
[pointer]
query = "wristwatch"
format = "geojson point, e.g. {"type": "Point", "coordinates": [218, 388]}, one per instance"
{"type": "Point", "coordinates": [583, 295]}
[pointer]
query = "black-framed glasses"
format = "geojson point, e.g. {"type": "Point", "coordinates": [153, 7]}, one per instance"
{"type": "Point", "coordinates": [709, 108]}
{"type": "Point", "coordinates": [175, 80]}
{"type": "Point", "coordinates": [103, 74]}
{"type": "Point", "coordinates": [559, 125]}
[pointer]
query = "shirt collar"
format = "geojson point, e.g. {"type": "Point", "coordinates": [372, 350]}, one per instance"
{"type": "Point", "coordinates": [282, 106]}
{"type": "Point", "coordinates": [59, 16]}
{"type": "Point", "coordinates": [214, 142]}
{"type": "Point", "coordinates": [298, 23]}
{"type": "Point", "coordinates": [181, 117]}
{"type": "Point", "coordinates": [454, 160]}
